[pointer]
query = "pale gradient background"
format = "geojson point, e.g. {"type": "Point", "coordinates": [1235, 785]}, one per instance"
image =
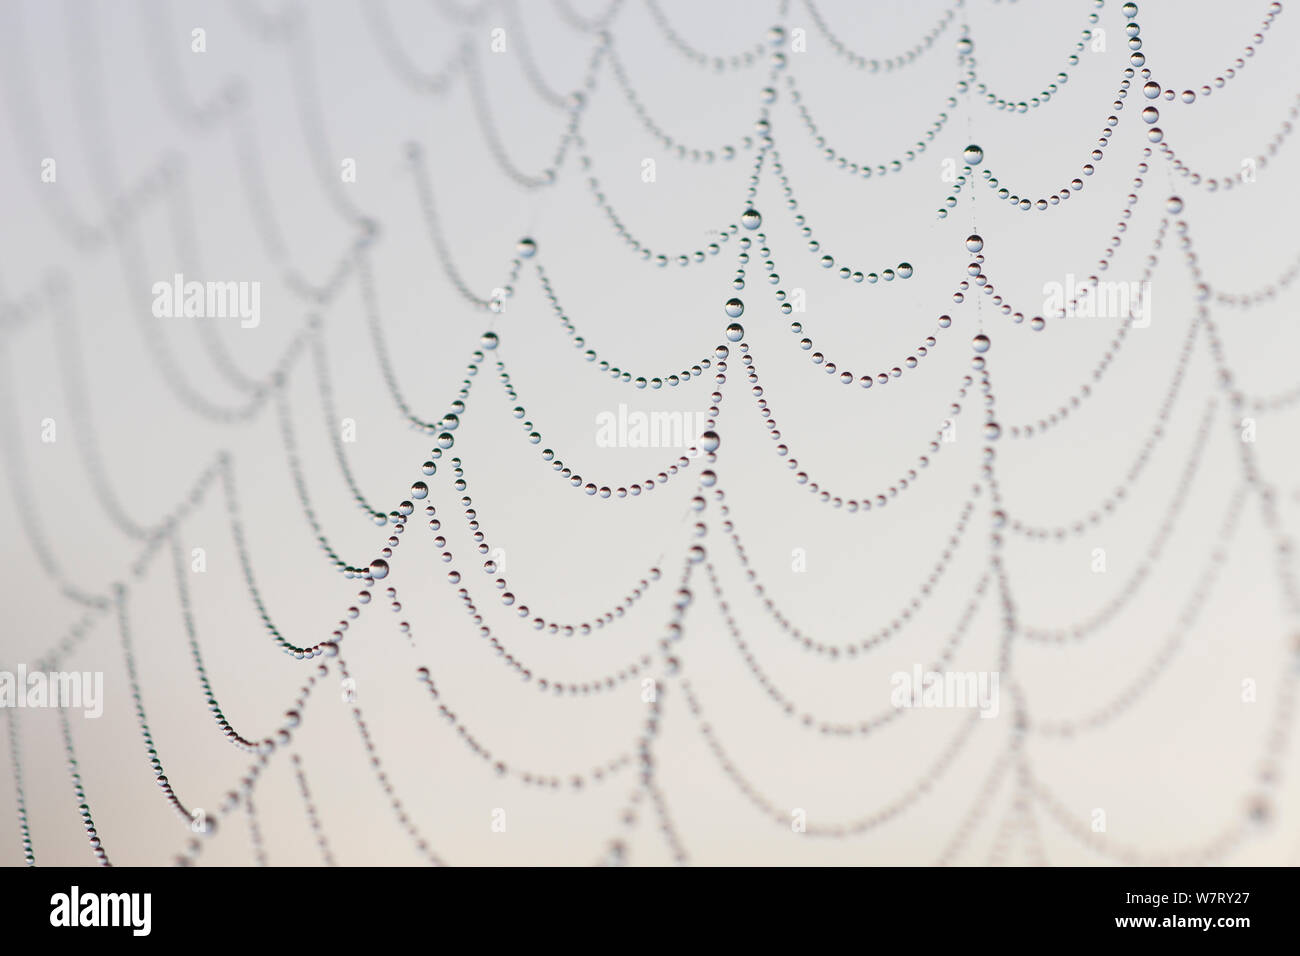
{"type": "Point", "coordinates": [105, 89]}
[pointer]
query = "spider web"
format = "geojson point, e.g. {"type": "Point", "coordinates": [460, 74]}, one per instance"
{"type": "Point", "coordinates": [553, 634]}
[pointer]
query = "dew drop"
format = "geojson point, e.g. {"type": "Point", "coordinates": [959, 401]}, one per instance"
{"type": "Point", "coordinates": [1260, 810]}
{"type": "Point", "coordinates": [980, 343]}
{"type": "Point", "coordinates": [709, 441]}
{"type": "Point", "coordinates": [735, 308]}
{"type": "Point", "coordinates": [735, 332]}
{"type": "Point", "coordinates": [419, 490]}
{"type": "Point", "coordinates": [1174, 204]}
{"type": "Point", "coordinates": [974, 243]}
{"type": "Point", "coordinates": [973, 155]}
{"type": "Point", "coordinates": [751, 219]}
{"type": "Point", "coordinates": [489, 340]}
{"type": "Point", "coordinates": [526, 248]}
{"type": "Point", "coordinates": [378, 568]}
{"type": "Point", "coordinates": [1150, 115]}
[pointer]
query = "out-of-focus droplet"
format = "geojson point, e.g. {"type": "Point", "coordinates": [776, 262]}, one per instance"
{"type": "Point", "coordinates": [1260, 810]}
{"type": "Point", "coordinates": [1174, 204]}
{"type": "Point", "coordinates": [526, 248]}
